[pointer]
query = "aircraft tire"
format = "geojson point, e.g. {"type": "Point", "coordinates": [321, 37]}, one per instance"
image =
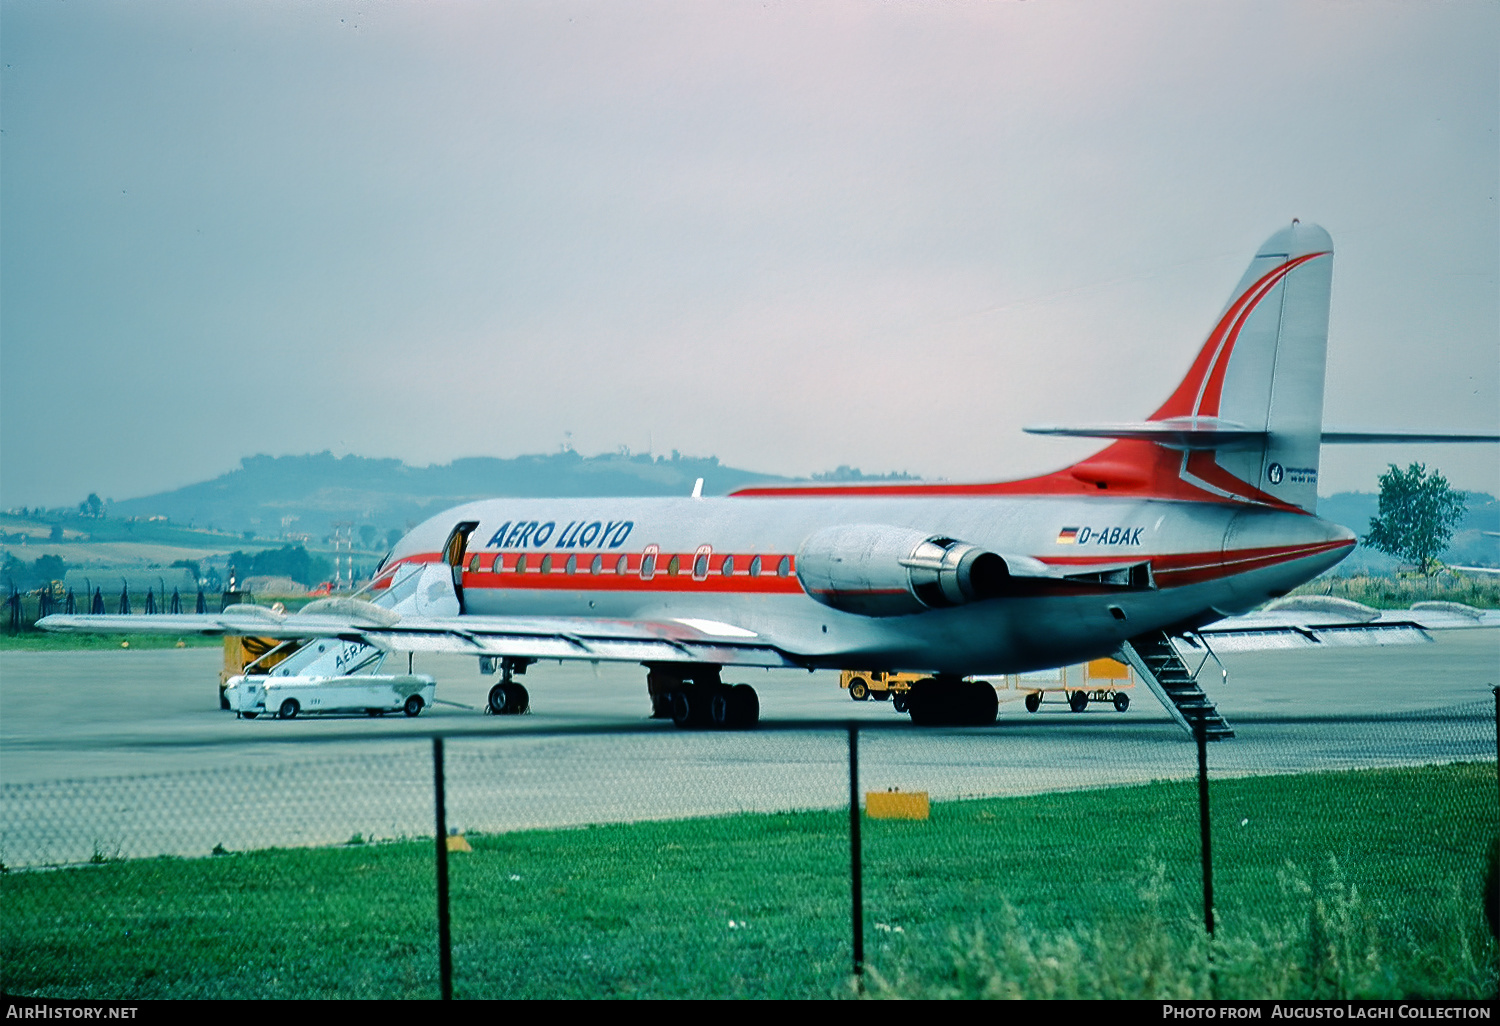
{"type": "Point", "coordinates": [982, 703]}
{"type": "Point", "coordinates": [497, 700]}
{"type": "Point", "coordinates": [687, 708]}
{"type": "Point", "coordinates": [1078, 701]}
{"type": "Point", "coordinates": [721, 710]}
{"type": "Point", "coordinates": [289, 709]}
{"type": "Point", "coordinates": [1122, 701]}
{"type": "Point", "coordinates": [1033, 701]}
{"type": "Point", "coordinates": [517, 699]}
{"type": "Point", "coordinates": [925, 703]}
{"type": "Point", "coordinates": [746, 706]}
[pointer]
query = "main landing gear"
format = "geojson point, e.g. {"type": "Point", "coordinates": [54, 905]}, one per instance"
{"type": "Point", "coordinates": [693, 696]}
{"type": "Point", "coordinates": [944, 701]}
{"type": "Point", "coordinates": [508, 698]}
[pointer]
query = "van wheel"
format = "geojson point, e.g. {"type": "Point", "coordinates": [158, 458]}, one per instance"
{"type": "Point", "coordinates": [289, 709]}
{"type": "Point", "coordinates": [250, 715]}
{"type": "Point", "coordinates": [413, 705]}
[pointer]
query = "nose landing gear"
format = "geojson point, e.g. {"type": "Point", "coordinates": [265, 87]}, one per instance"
{"type": "Point", "coordinates": [509, 698]}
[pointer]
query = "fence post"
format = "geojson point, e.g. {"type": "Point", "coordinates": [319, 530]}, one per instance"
{"type": "Point", "coordinates": [1200, 734]}
{"type": "Point", "coordinates": [856, 883]}
{"type": "Point", "coordinates": [445, 952]}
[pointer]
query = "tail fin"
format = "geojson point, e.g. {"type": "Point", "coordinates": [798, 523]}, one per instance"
{"type": "Point", "coordinates": [1262, 367]}
{"type": "Point", "coordinates": [1250, 411]}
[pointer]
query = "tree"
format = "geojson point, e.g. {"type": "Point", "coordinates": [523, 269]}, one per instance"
{"type": "Point", "coordinates": [1418, 512]}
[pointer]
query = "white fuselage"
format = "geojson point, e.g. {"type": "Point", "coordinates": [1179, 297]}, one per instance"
{"type": "Point", "coordinates": [588, 558]}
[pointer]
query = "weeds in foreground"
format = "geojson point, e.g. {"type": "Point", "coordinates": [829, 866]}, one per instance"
{"type": "Point", "coordinates": [1340, 947]}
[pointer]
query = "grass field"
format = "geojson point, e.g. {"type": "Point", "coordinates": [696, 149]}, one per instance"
{"type": "Point", "coordinates": [45, 641]}
{"type": "Point", "coordinates": [1344, 884]}
{"type": "Point", "coordinates": [1385, 592]}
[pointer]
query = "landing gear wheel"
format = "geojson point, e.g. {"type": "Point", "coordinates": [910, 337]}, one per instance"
{"type": "Point", "coordinates": [508, 700]}
{"type": "Point", "coordinates": [688, 707]}
{"type": "Point", "coordinates": [858, 689]}
{"type": "Point", "coordinates": [981, 704]}
{"type": "Point", "coordinates": [413, 705]}
{"type": "Point", "coordinates": [289, 709]}
{"type": "Point", "coordinates": [924, 702]}
{"type": "Point", "coordinates": [1122, 701]}
{"type": "Point", "coordinates": [1078, 701]}
{"type": "Point", "coordinates": [746, 705]}
{"type": "Point", "coordinates": [1033, 701]}
{"type": "Point", "coordinates": [721, 710]}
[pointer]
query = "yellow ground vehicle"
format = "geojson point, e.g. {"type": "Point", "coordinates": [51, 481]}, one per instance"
{"type": "Point", "coordinates": [879, 685]}
{"type": "Point", "coordinates": [1099, 680]}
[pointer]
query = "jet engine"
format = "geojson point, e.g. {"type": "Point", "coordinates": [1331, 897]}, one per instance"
{"type": "Point", "coordinates": [877, 570]}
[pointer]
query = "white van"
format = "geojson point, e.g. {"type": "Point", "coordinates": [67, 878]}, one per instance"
{"type": "Point", "coordinates": [286, 697]}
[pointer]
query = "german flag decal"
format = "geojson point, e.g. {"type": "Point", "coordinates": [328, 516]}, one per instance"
{"type": "Point", "coordinates": [1067, 536]}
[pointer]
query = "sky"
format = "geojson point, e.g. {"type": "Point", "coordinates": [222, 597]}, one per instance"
{"type": "Point", "coordinates": [790, 235]}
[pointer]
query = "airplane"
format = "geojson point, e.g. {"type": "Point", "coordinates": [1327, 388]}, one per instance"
{"type": "Point", "coordinates": [1205, 510]}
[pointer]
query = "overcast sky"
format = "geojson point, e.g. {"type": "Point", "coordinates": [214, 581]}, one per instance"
{"type": "Point", "coordinates": [790, 235]}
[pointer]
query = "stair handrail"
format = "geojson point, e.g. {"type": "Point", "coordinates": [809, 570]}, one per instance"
{"type": "Point", "coordinates": [1208, 653]}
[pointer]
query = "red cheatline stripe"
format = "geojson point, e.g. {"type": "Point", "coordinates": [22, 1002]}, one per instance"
{"type": "Point", "coordinates": [1171, 570]}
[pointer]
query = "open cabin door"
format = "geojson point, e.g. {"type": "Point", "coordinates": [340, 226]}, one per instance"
{"type": "Point", "coordinates": [454, 550]}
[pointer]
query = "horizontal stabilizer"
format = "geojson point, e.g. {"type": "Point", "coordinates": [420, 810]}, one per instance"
{"type": "Point", "coordinates": [1376, 437]}
{"type": "Point", "coordinates": [1210, 433]}
{"type": "Point", "coordinates": [1174, 433]}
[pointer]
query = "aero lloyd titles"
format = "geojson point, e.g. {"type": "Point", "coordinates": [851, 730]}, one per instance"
{"type": "Point", "coordinates": [576, 534]}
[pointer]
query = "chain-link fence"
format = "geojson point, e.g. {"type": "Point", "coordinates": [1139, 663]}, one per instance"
{"type": "Point", "coordinates": [1347, 857]}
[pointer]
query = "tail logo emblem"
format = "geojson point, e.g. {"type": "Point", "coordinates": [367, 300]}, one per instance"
{"type": "Point", "coordinates": [1274, 473]}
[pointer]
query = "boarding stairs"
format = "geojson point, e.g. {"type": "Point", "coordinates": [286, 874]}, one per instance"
{"type": "Point", "coordinates": [1158, 663]}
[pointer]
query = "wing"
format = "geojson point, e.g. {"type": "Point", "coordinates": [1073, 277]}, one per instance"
{"type": "Point", "coordinates": [531, 637]}
{"type": "Point", "coordinates": [1310, 621]}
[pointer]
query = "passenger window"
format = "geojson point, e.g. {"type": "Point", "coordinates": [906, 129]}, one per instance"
{"type": "Point", "coordinates": [547, 563]}
{"type": "Point", "coordinates": [700, 567]}
{"type": "Point", "coordinates": [521, 563]}
{"type": "Point", "coordinates": [728, 568]}
{"type": "Point", "coordinates": [784, 567]}
{"type": "Point", "coordinates": [598, 565]}
{"type": "Point", "coordinates": [572, 564]}
{"type": "Point", "coordinates": [755, 567]}
{"type": "Point", "coordinates": [673, 565]}
{"type": "Point", "coordinates": [622, 565]}
{"type": "Point", "coordinates": [648, 562]}
{"type": "Point", "coordinates": [474, 564]}
{"type": "Point", "coordinates": [498, 565]}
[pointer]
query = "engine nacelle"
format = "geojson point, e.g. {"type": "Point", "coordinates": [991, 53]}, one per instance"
{"type": "Point", "coordinates": [877, 570]}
